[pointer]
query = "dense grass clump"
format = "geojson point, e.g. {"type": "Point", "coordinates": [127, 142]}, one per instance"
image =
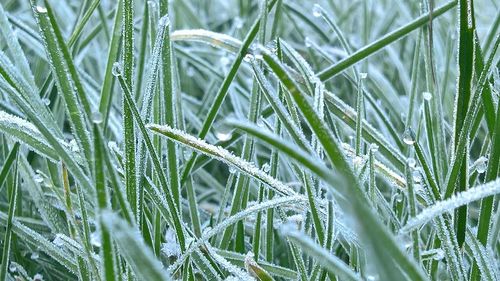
{"type": "Point", "coordinates": [249, 140]}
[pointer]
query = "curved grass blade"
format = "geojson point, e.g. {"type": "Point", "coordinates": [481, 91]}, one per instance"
{"type": "Point", "coordinates": [385, 40]}
{"type": "Point", "coordinates": [8, 231]}
{"type": "Point", "coordinates": [133, 249]}
{"type": "Point", "coordinates": [330, 262]}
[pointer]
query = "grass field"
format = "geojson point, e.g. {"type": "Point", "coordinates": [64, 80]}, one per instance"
{"type": "Point", "coordinates": [249, 140]}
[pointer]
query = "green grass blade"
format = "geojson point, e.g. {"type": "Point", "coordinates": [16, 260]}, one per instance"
{"type": "Point", "coordinates": [8, 231]}
{"type": "Point", "coordinates": [387, 39]}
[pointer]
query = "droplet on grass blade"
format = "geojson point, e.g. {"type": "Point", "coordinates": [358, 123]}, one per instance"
{"type": "Point", "coordinates": [363, 75]}
{"type": "Point", "coordinates": [35, 255]}
{"type": "Point", "coordinates": [409, 137]}
{"type": "Point", "coordinates": [41, 9]}
{"type": "Point", "coordinates": [411, 162]}
{"type": "Point", "coordinates": [222, 136]}
{"type": "Point", "coordinates": [317, 10]}
{"type": "Point", "coordinates": [307, 42]}
{"type": "Point", "coordinates": [117, 69]}
{"type": "Point", "coordinates": [427, 96]}
{"type": "Point", "coordinates": [97, 117]}
{"type": "Point", "coordinates": [38, 277]}
{"type": "Point", "coordinates": [238, 23]}
{"type": "Point", "coordinates": [46, 101]}
{"type": "Point", "coordinates": [38, 178]}
{"type": "Point", "coordinates": [266, 167]}
{"type": "Point", "coordinates": [374, 147]}
{"type": "Point", "coordinates": [232, 169]}
{"type": "Point", "coordinates": [417, 177]}
{"type": "Point", "coordinates": [225, 61]}
{"type": "Point", "coordinates": [190, 71]}
{"type": "Point", "coordinates": [95, 239]}
{"type": "Point", "coordinates": [12, 267]}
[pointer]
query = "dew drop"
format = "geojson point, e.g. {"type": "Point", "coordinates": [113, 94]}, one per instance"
{"type": "Point", "coordinates": [238, 23]}
{"type": "Point", "coordinates": [232, 169]}
{"type": "Point", "coordinates": [190, 71]}
{"type": "Point", "coordinates": [46, 101]}
{"type": "Point", "coordinates": [248, 58]}
{"type": "Point", "coordinates": [266, 168]}
{"type": "Point", "coordinates": [363, 75]}
{"type": "Point", "coordinates": [308, 42]}
{"type": "Point", "coordinates": [35, 255]}
{"type": "Point", "coordinates": [374, 147]}
{"type": "Point", "coordinates": [416, 176]}
{"type": "Point", "coordinates": [97, 117]}
{"type": "Point", "coordinates": [12, 267]}
{"type": "Point", "coordinates": [317, 10]}
{"type": "Point", "coordinates": [95, 239]}
{"type": "Point", "coordinates": [117, 69]}
{"type": "Point", "coordinates": [411, 162]}
{"type": "Point", "coordinates": [427, 96]}
{"type": "Point", "coordinates": [41, 9]}
{"type": "Point", "coordinates": [38, 178]}
{"type": "Point", "coordinates": [409, 137]}
{"type": "Point", "coordinates": [223, 136]}
{"type": "Point", "coordinates": [481, 164]}
{"type": "Point", "coordinates": [38, 277]}
{"type": "Point", "coordinates": [224, 60]}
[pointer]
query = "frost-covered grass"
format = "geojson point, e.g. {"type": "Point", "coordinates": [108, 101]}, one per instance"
{"type": "Point", "coordinates": [249, 140]}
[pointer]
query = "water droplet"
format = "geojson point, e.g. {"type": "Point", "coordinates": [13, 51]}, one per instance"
{"type": "Point", "coordinates": [481, 164]}
{"type": "Point", "coordinates": [308, 42]}
{"type": "Point", "coordinates": [224, 60]}
{"type": "Point", "coordinates": [317, 10]}
{"type": "Point", "coordinates": [117, 69]}
{"type": "Point", "coordinates": [232, 169]}
{"type": "Point", "coordinates": [427, 96]}
{"type": "Point", "coordinates": [238, 23]}
{"type": "Point", "coordinates": [41, 9]}
{"type": "Point", "coordinates": [374, 147]}
{"type": "Point", "coordinates": [12, 267]}
{"type": "Point", "coordinates": [258, 57]}
{"type": "Point", "coordinates": [411, 162]}
{"type": "Point", "coordinates": [38, 277]}
{"type": "Point", "coordinates": [363, 75]}
{"type": "Point", "coordinates": [266, 167]}
{"type": "Point", "coordinates": [95, 239]}
{"type": "Point", "coordinates": [190, 71]}
{"type": "Point", "coordinates": [223, 136]}
{"type": "Point", "coordinates": [97, 117]}
{"type": "Point", "coordinates": [38, 178]}
{"type": "Point", "coordinates": [417, 177]}
{"type": "Point", "coordinates": [248, 58]}
{"type": "Point", "coordinates": [35, 255]}
{"type": "Point", "coordinates": [46, 101]}
{"type": "Point", "coordinates": [372, 277]}
{"type": "Point", "coordinates": [409, 137]}
{"type": "Point", "coordinates": [187, 154]}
